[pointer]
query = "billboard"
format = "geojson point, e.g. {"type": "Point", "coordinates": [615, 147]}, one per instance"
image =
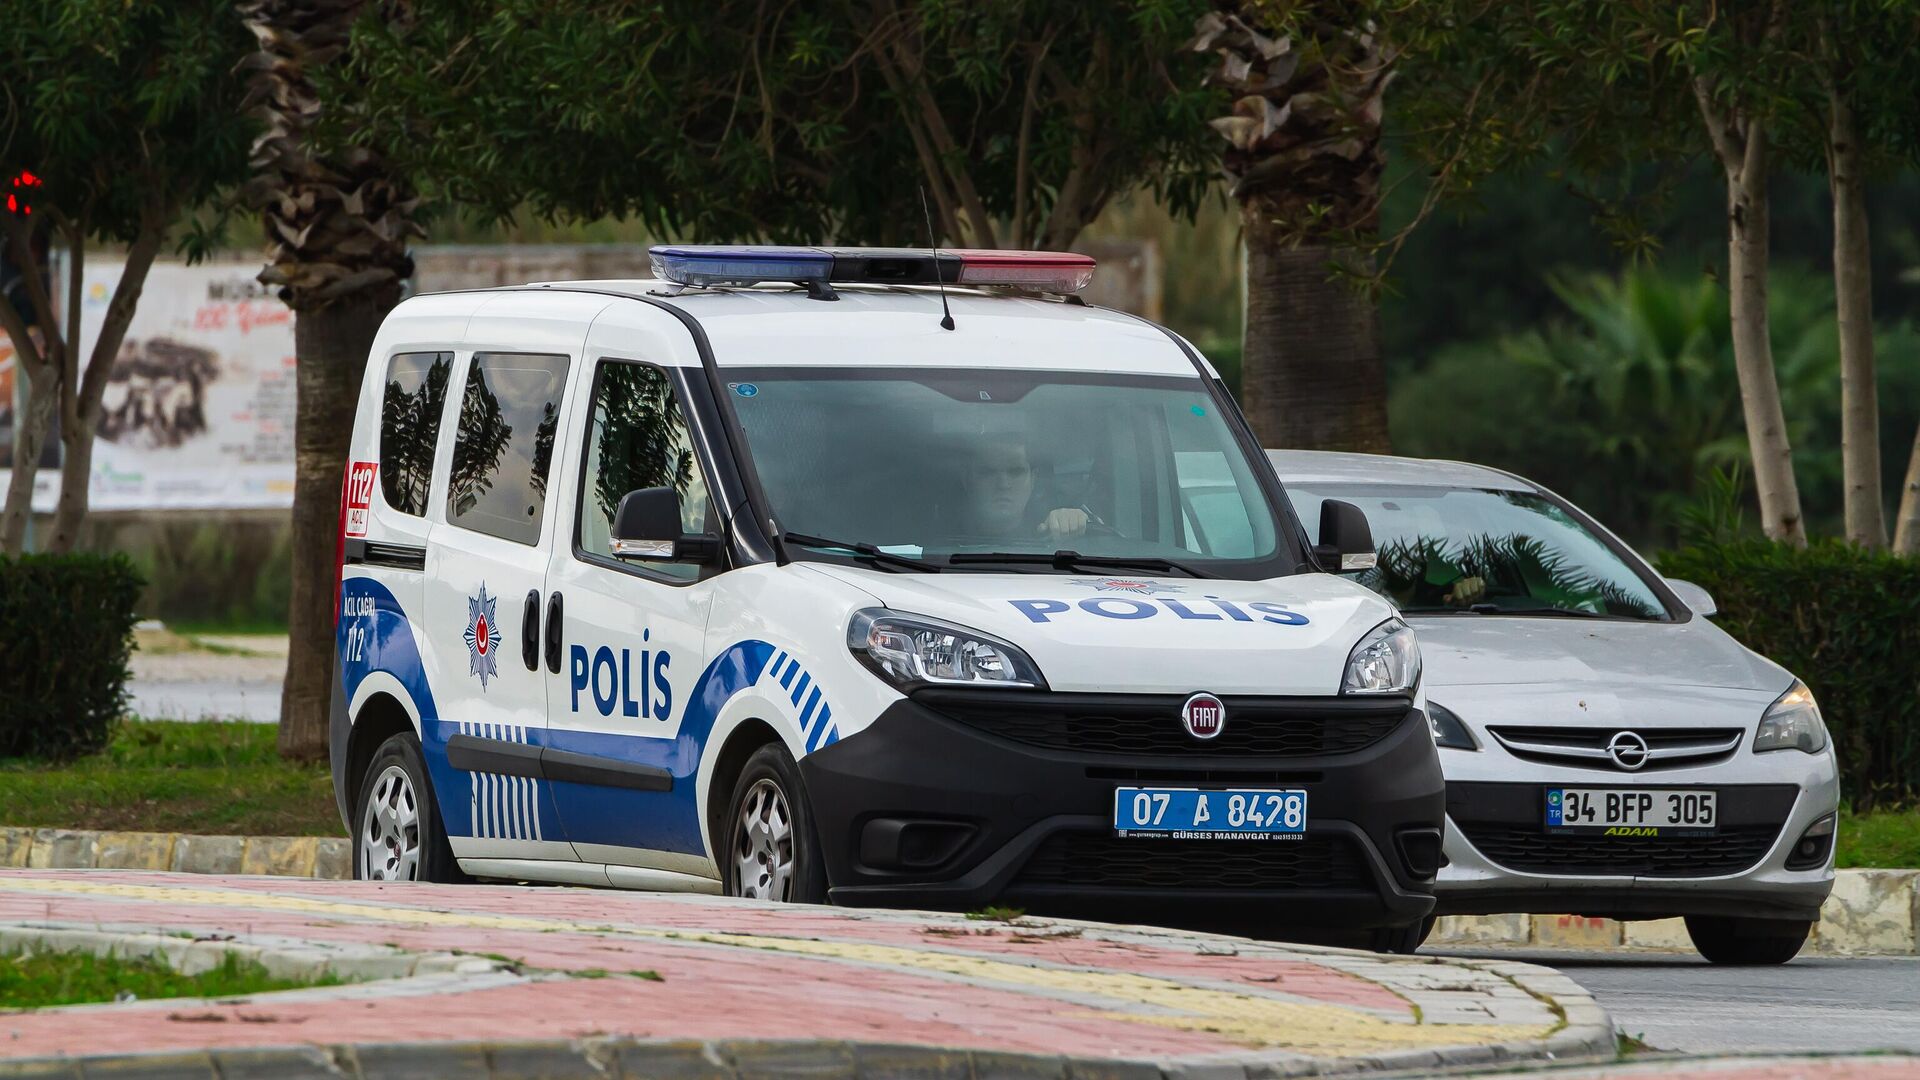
{"type": "Point", "coordinates": [198, 412]}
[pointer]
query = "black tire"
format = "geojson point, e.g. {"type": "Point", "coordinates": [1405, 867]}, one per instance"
{"type": "Point", "coordinates": [432, 856]}
{"type": "Point", "coordinates": [1403, 940]}
{"type": "Point", "coordinates": [770, 772]}
{"type": "Point", "coordinates": [1727, 940]}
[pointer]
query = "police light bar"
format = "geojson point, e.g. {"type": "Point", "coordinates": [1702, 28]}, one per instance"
{"type": "Point", "coordinates": [706, 265]}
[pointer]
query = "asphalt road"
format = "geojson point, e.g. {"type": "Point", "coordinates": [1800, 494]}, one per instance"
{"type": "Point", "coordinates": [1676, 1001]}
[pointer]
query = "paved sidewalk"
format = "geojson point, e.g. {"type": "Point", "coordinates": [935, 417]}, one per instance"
{"type": "Point", "coordinates": [1898, 1067]}
{"type": "Point", "coordinates": [717, 987]}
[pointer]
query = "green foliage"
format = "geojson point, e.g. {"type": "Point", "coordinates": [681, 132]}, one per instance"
{"type": "Point", "coordinates": [723, 119]}
{"type": "Point", "coordinates": [231, 575]}
{"type": "Point", "coordinates": [129, 110]}
{"type": "Point", "coordinates": [39, 980]}
{"type": "Point", "coordinates": [1883, 838]}
{"type": "Point", "coordinates": [1847, 622]}
{"type": "Point", "coordinates": [1627, 405]}
{"type": "Point", "coordinates": [220, 777]}
{"type": "Point", "coordinates": [65, 620]}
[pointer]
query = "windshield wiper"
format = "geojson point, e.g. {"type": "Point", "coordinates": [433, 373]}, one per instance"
{"type": "Point", "coordinates": [1067, 560]}
{"type": "Point", "coordinates": [861, 550]}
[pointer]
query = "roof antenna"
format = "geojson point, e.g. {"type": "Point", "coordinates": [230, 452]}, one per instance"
{"type": "Point", "coordinates": [946, 313]}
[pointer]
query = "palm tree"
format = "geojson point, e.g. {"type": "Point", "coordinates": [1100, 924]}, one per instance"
{"type": "Point", "coordinates": [337, 229]}
{"type": "Point", "coordinates": [1305, 161]}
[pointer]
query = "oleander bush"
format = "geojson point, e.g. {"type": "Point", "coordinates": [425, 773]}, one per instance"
{"type": "Point", "coordinates": [65, 626]}
{"type": "Point", "coordinates": [1847, 621]}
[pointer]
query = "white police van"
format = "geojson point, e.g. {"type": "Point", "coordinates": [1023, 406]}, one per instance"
{"type": "Point", "coordinates": [864, 575]}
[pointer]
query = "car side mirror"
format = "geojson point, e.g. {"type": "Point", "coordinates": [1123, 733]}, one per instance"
{"type": "Point", "coordinates": [1346, 540]}
{"type": "Point", "coordinates": [1698, 600]}
{"type": "Point", "coordinates": [646, 525]}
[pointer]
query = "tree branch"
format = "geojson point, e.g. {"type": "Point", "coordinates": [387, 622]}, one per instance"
{"type": "Point", "coordinates": [1719, 130]}
{"type": "Point", "coordinates": [929, 161]}
{"type": "Point", "coordinates": [20, 245]}
{"type": "Point", "coordinates": [1023, 162]}
{"type": "Point", "coordinates": [16, 327]}
{"type": "Point", "coordinates": [912, 74]}
{"type": "Point", "coordinates": [113, 328]}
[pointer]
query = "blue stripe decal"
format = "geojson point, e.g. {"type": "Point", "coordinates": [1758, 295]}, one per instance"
{"type": "Point", "coordinates": [786, 677]}
{"type": "Point", "coordinates": [801, 687]}
{"type": "Point", "coordinates": [806, 711]}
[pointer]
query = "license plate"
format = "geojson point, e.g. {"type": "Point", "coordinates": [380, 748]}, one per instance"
{"type": "Point", "coordinates": [1210, 814]}
{"type": "Point", "coordinates": [1633, 811]}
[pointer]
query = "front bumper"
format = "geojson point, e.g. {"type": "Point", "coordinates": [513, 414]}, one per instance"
{"type": "Point", "coordinates": [921, 810]}
{"type": "Point", "coordinates": [1501, 858]}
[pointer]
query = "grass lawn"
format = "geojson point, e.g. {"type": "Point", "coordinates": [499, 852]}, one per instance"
{"type": "Point", "coordinates": [166, 776]}
{"type": "Point", "coordinates": [1884, 838]}
{"type": "Point", "coordinates": [67, 978]}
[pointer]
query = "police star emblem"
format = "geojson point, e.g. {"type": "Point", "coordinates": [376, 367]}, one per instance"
{"type": "Point", "coordinates": [483, 636]}
{"type": "Point", "coordinates": [1126, 585]}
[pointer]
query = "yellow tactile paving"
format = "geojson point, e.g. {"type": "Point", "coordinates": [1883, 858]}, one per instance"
{"type": "Point", "coordinates": [1253, 1019]}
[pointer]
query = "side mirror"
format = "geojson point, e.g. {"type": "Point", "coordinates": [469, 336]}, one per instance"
{"type": "Point", "coordinates": [1346, 540]}
{"type": "Point", "coordinates": [1698, 600]}
{"type": "Point", "coordinates": [647, 526]}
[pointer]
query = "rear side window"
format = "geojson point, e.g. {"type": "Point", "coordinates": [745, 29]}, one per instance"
{"type": "Point", "coordinates": [410, 411]}
{"type": "Point", "coordinates": [501, 459]}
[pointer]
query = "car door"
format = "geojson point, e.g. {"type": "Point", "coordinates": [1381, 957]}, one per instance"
{"type": "Point", "coordinates": [485, 597]}
{"type": "Point", "coordinates": [624, 756]}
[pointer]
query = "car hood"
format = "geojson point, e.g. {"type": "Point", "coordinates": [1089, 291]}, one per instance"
{"type": "Point", "coordinates": [1611, 655]}
{"type": "Point", "coordinates": [1128, 634]}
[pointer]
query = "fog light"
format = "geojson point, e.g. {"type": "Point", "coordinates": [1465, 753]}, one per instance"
{"type": "Point", "coordinates": [1421, 852]}
{"type": "Point", "coordinates": [904, 844]}
{"type": "Point", "coordinates": [1814, 845]}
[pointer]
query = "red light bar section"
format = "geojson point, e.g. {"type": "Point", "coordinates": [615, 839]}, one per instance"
{"type": "Point", "coordinates": [1047, 271]}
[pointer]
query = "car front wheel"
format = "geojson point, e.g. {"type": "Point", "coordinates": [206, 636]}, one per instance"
{"type": "Point", "coordinates": [1727, 940]}
{"type": "Point", "coordinates": [398, 834]}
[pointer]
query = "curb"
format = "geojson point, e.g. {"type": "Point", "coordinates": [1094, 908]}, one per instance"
{"type": "Point", "coordinates": [327, 857]}
{"type": "Point", "coordinates": [1870, 913]}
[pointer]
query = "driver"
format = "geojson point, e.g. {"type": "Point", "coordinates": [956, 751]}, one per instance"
{"type": "Point", "coordinates": [998, 484]}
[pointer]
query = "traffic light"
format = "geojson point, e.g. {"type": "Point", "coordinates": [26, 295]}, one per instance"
{"type": "Point", "coordinates": [20, 191]}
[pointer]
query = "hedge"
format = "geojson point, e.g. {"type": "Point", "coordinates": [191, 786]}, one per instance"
{"type": "Point", "coordinates": [1847, 622]}
{"type": "Point", "coordinates": [65, 626]}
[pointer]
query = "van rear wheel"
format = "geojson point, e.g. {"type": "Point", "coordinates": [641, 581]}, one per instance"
{"type": "Point", "coordinates": [772, 851]}
{"type": "Point", "coordinates": [398, 834]}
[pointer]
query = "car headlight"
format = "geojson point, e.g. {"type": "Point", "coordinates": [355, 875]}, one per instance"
{"type": "Point", "coordinates": [1792, 722]}
{"type": "Point", "coordinates": [1387, 661]}
{"type": "Point", "coordinates": [1447, 729]}
{"type": "Point", "coordinates": [911, 651]}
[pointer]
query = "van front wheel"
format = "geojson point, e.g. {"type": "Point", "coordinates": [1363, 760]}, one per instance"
{"type": "Point", "coordinates": [772, 852]}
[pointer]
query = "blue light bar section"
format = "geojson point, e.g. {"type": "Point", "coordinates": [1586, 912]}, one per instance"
{"type": "Point", "coordinates": [721, 264]}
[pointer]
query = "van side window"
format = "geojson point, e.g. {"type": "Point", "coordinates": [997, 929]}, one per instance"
{"type": "Point", "coordinates": [410, 411]}
{"type": "Point", "coordinates": [501, 459]}
{"type": "Point", "coordinates": [637, 438]}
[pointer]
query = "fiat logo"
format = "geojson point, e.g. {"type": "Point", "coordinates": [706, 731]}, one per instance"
{"type": "Point", "coordinates": [1629, 750]}
{"type": "Point", "coordinates": [1204, 715]}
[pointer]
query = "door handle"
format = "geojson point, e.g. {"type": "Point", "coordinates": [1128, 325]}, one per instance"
{"type": "Point", "coordinates": [554, 607]}
{"type": "Point", "coordinates": [530, 631]}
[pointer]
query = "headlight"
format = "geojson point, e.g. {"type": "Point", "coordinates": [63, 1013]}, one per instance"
{"type": "Point", "coordinates": [912, 650]}
{"type": "Point", "coordinates": [1387, 661]}
{"type": "Point", "coordinates": [1792, 722]}
{"type": "Point", "coordinates": [1447, 729]}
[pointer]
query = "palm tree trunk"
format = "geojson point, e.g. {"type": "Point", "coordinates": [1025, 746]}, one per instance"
{"type": "Point", "coordinates": [1747, 265]}
{"type": "Point", "coordinates": [332, 344]}
{"type": "Point", "coordinates": [1906, 537]}
{"type": "Point", "coordinates": [1852, 286]}
{"type": "Point", "coordinates": [1311, 373]}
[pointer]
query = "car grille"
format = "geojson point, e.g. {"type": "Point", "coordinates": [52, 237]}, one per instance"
{"type": "Point", "coordinates": [1667, 748]}
{"type": "Point", "coordinates": [1103, 861]}
{"type": "Point", "coordinates": [1149, 724]}
{"type": "Point", "coordinates": [1529, 849]}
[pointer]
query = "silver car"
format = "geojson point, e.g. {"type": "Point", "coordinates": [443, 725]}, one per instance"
{"type": "Point", "coordinates": [1608, 750]}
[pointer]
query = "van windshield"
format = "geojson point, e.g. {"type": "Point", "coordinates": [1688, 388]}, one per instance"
{"type": "Point", "coordinates": [928, 465]}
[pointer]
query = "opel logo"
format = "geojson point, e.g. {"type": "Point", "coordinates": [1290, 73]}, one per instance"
{"type": "Point", "coordinates": [1204, 716]}
{"type": "Point", "coordinates": [1629, 750]}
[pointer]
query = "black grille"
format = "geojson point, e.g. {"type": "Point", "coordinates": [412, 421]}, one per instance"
{"type": "Point", "coordinates": [1102, 861]}
{"type": "Point", "coordinates": [1530, 849]}
{"type": "Point", "coordinates": [1149, 724]}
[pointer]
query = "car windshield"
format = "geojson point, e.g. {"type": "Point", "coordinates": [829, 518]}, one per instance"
{"type": "Point", "coordinates": [951, 469]}
{"type": "Point", "coordinates": [1448, 549]}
